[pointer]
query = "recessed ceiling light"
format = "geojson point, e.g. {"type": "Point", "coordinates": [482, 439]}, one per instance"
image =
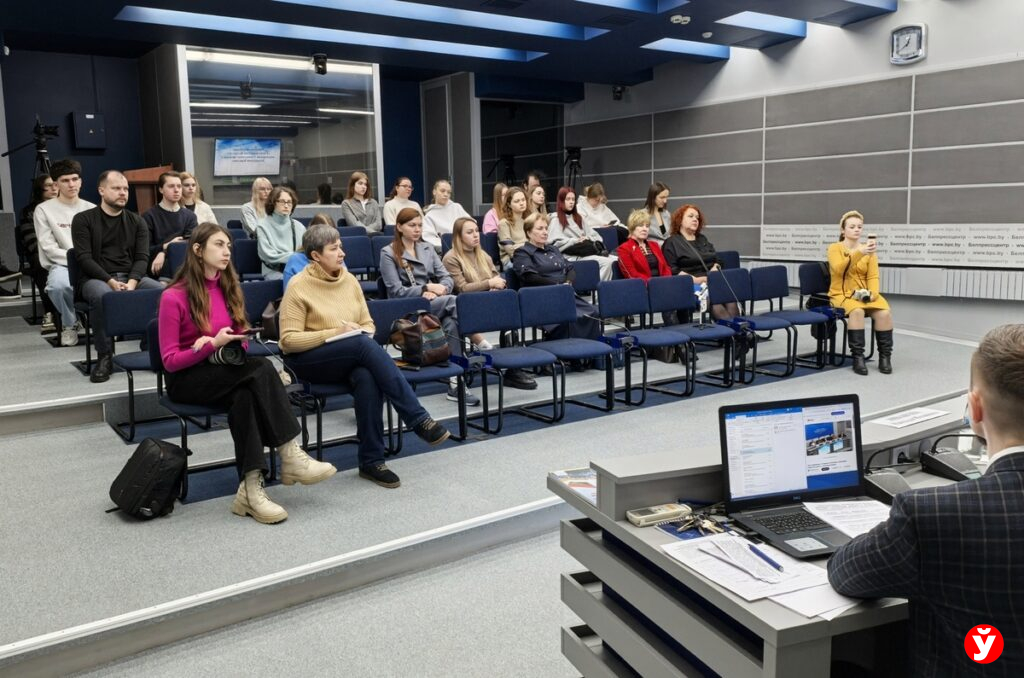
{"type": "Point", "coordinates": [216, 104]}
{"type": "Point", "coordinates": [301, 64]}
{"type": "Point", "coordinates": [679, 19]}
{"type": "Point", "coordinates": [706, 34]}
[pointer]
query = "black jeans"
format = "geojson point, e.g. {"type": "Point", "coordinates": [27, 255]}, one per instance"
{"type": "Point", "coordinates": [259, 414]}
{"type": "Point", "coordinates": [93, 292]}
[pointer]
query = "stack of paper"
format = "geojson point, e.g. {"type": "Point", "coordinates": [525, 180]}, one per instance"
{"type": "Point", "coordinates": [852, 518]}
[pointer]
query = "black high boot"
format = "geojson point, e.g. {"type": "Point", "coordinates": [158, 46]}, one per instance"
{"type": "Point", "coordinates": [884, 338]}
{"type": "Point", "coordinates": [857, 351]}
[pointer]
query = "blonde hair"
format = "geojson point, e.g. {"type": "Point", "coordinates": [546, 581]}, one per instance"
{"type": "Point", "coordinates": [260, 206]}
{"type": "Point", "coordinates": [499, 188]}
{"type": "Point", "coordinates": [532, 220]}
{"type": "Point", "coordinates": [636, 219]}
{"type": "Point", "coordinates": [848, 215]}
{"type": "Point", "coordinates": [476, 265]}
{"type": "Point", "coordinates": [595, 191]}
{"type": "Point", "coordinates": [531, 207]}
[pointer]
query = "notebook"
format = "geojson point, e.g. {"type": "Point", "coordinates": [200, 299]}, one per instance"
{"type": "Point", "coordinates": [776, 455]}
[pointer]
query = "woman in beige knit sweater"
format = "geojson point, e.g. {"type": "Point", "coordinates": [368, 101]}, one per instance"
{"type": "Point", "coordinates": [322, 303]}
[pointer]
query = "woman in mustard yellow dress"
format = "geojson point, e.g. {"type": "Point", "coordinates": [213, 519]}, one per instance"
{"type": "Point", "coordinates": [854, 288]}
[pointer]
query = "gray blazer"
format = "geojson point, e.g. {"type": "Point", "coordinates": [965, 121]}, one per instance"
{"type": "Point", "coordinates": [356, 214]}
{"type": "Point", "coordinates": [410, 281]}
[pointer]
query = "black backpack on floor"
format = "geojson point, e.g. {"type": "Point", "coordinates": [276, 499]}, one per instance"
{"type": "Point", "coordinates": [151, 480]}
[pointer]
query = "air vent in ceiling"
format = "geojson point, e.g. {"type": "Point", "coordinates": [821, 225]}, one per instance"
{"type": "Point", "coordinates": [503, 4]}
{"type": "Point", "coordinates": [615, 20]}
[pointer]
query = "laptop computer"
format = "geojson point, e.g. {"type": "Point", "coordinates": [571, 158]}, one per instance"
{"type": "Point", "coordinates": [776, 455]}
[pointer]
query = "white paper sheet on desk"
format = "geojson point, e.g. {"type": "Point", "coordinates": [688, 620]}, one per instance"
{"type": "Point", "coordinates": [852, 518]}
{"type": "Point", "coordinates": [817, 601]}
{"type": "Point", "coordinates": [797, 575]}
{"type": "Point", "coordinates": [908, 417]}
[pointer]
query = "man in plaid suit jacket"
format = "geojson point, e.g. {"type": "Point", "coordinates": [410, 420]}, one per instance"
{"type": "Point", "coordinates": [957, 552]}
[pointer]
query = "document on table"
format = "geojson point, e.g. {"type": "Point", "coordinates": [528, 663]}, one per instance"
{"type": "Point", "coordinates": [796, 575]}
{"type": "Point", "coordinates": [908, 417]}
{"type": "Point", "coordinates": [345, 335]}
{"type": "Point", "coordinates": [852, 518]}
{"type": "Point", "coordinates": [817, 601]}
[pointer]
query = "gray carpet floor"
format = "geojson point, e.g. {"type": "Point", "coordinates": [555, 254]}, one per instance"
{"type": "Point", "coordinates": [66, 563]}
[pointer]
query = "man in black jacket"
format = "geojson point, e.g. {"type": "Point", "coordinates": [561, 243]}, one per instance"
{"type": "Point", "coordinates": [112, 250]}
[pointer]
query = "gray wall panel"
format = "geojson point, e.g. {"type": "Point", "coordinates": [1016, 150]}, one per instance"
{"type": "Point", "coordinates": [530, 142]}
{"type": "Point", "coordinates": [988, 124]}
{"type": "Point", "coordinates": [980, 84]}
{"type": "Point", "coordinates": [617, 159]}
{"type": "Point", "coordinates": [714, 180]}
{"type": "Point", "coordinates": [632, 187]}
{"type": "Point", "coordinates": [978, 205]}
{"type": "Point", "coordinates": [736, 115]}
{"type": "Point", "coordinates": [855, 136]}
{"type": "Point", "coordinates": [825, 208]}
{"type": "Point", "coordinates": [869, 171]}
{"type": "Point", "coordinates": [745, 240]}
{"type": "Point", "coordinates": [987, 165]}
{"type": "Point", "coordinates": [607, 132]}
{"type": "Point", "coordinates": [738, 211]}
{"type": "Point", "coordinates": [847, 101]}
{"type": "Point", "coordinates": [742, 147]}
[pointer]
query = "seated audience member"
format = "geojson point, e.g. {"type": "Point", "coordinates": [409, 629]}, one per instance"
{"type": "Point", "coordinates": [688, 251]}
{"type": "Point", "coordinates": [439, 217]}
{"type": "Point", "coordinates": [656, 206]}
{"type": "Point", "coordinates": [533, 179]}
{"type": "Point", "coordinates": [256, 209]}
{"type": "Point", "coordinates": [638, 256]}
{"type": "Point", "coordinates": [192, 199]}
{"type": "Point", "coordinates": [411, 268]}
{"type": "Point", "coordinates": [493, 215]}
{"type": "Point", "coordinates": [359, 208]}
{"type": "Point", "coordinates": [43, 188]}
{"type": "Point", "coordinates": [537, 201]}
{"type": "Point", "coordinates": [573, 238]}
{"type": "Point", "coordinates": [322, 301]}
{"type": "Point", "coordinates": [511, 235]}
{"type": "Point", "coordinates": [538, 263]}
{"type": "Point", "coordinates": [168, 222]}
{"type": "Point", "coordinates": [854, 267]}
{"type": "Point", "coordinates": [53, 236]}
{"type": "Point", "coordinates": [278, 234]}
{"type": "Point", "coordinates": [323, 194]}
{"type": "Point", "coordinates": [399, 199]}
{"type": "Point", "coordinates": [112, 249]}
{"type": "Point", "coordinates": [473, 270]}
{"type": "Point", "coordinates": [299, 261]}
{"type": "Point", "coordinates": [954, 551]}
{"type": "Point", "coordinates": [202, 311]}
{"type": "Point", "coordinates": [596, 213]}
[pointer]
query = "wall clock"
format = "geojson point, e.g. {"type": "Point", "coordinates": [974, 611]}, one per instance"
{"type": "Point", "coordinates": [908, 44]}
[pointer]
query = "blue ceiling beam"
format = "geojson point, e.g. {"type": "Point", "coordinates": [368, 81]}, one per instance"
{"type": "Point", "coordinates": [708, 50]}
{"type": "Point", "coordinates": [307, 34]}
{"type": "Point", "coordinates": [767, 23]}
{"type": "Point", "coordinates": [646, 6]}
{"type": "Point", "coordinates": [399, 9]}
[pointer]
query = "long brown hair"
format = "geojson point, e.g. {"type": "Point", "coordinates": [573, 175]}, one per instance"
{"type": "Point", "coordinates": [404, 216]}
{"type": "Point", "coordinates": [356, 176]}
{"type": "Point", "coordinates": [476, 265]}
{"type": "Point", "coordinates": [192, 277]}
{"type": "Point", "coordinates": [506, 207]}
{"type": "Point", "coordinates": [499, 188]}
{"type": "Point", "coordinates": [652, 193]}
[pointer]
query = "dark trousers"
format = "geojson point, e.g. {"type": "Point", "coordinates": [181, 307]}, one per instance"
{"type": "Point", "coordinates": [259, 414]}
{"type": "Point", "coordinates": [93, 292]}
{"type": "Point", "coordinates": [372, 375]}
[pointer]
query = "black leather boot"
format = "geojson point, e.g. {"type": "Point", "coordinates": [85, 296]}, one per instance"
{"type": "Point", "coordinates": [884, 351]}
{"type": "Point", "coordinates": [857, 351]}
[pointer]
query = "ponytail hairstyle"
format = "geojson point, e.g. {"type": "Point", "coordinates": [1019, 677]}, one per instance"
{"type": "Point", "coordinates": [192, 277]}
{"type": "Point", "coordinates": [848, 215]}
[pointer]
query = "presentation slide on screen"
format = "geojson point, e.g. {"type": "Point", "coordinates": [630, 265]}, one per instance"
{"type": "Point", "coordinates": [246, 157]}
{"type": "Point", "coordinates": [952, 245]}
{"type": "Point", "coordinates": [784, 450]}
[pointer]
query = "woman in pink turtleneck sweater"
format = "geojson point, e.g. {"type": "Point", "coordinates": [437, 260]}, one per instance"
{"type": "Point", "coordinates": [201, 311]}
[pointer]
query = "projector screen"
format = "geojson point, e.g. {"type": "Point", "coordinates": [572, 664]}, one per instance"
{"type": "Point", "coordinates": [246, 157]}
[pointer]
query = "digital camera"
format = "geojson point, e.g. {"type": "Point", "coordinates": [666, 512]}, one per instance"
{"type": "Point", "coordinates": [862, 295]}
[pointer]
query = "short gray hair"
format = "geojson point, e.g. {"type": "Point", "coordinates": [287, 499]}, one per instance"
{"type": "Point", "coordinates": [317, 237]}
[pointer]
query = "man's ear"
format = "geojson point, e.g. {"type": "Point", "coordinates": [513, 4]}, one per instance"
{"type": "Point", "coordinates": [975, 401]}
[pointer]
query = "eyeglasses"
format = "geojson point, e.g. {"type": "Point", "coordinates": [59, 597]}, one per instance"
{"type": "Point", "coordinates": [405, 185]}
{"type": "Point", "coordinates": [282, 202]}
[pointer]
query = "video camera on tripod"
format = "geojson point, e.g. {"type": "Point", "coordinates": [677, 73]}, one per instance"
{"type": "Point", "coordinates": [573, 155]}
{"type": "Point", "coordinates": [40, 134]}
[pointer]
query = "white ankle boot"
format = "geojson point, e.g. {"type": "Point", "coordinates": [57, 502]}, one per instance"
{"type": "Point", "coordinates": [297, 466]}
{"type": "Point", "coordinates": [252, 500]}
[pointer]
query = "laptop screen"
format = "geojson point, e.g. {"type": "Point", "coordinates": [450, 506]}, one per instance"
{"type": "Point", "coordinates": [791, 451]}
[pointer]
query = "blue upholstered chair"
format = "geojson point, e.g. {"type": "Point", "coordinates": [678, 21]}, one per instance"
{"type": "Point", "coordinates": [129, 313]}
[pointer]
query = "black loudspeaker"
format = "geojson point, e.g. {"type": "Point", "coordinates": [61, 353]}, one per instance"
{"type": "Point", "coordinates": [949, 463]}
{"type": "Point", "coordinates": [88, 130]}
{"type": "Point", "coordinates": [884, 485]}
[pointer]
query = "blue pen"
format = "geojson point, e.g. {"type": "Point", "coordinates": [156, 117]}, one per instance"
{"type": "Point", "coordinates": [765, 557]}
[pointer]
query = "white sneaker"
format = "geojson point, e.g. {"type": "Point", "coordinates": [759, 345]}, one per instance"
{"type": "Point", "coordinates": [484, 345]}
{"type": "Point", "coordinates": [69, 336]}
{"type": "Point", "coordinates": [47, 324]}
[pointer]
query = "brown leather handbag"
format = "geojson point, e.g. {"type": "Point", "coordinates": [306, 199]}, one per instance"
{"type": "Point", "coordinates": [421, 339]}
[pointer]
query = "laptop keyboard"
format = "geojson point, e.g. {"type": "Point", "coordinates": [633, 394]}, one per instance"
{"type": "Point", "coordinates": [791, 522]}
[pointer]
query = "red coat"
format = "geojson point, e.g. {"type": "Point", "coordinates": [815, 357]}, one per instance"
{"type": "Point", "coordinates": [633, 262]}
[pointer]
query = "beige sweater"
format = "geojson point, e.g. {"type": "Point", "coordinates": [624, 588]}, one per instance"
{"type": "Point", "coordinates": [315, 305]}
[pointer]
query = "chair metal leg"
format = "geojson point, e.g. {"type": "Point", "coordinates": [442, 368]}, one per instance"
{"type": "Point", "coordinates": [688, 358]}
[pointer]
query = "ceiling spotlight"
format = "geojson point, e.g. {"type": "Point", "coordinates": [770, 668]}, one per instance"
{"type": "Point", "coordinates": [617, 92]}
{"type": "Point", "coordinates": [245, 88]}
{"type": "Point", "coordinates": [320, 63]}
{"type": "Point", "coordinates": [679, 19]}
{"type": "Point", "coordinates": [706, 34]}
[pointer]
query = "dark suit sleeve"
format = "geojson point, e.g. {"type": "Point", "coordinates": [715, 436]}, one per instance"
{"type": "Point", "coordinates": [81, 237]}
{"type": "Point", "coordinates": [140, 256]}
{"type": "Point", "coordinates": [191, 223]}
{"type": "Point", "coordinates": [672, 256]}
{"type": "Point", "coordinates": [884, 562]}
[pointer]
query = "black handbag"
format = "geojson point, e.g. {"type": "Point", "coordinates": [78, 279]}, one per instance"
{"type": "Point", "coordinates": [587, 248]}
{"type": "Point", "coordinates": [271, 320]}
{"type": "Point", "coordinates": [151, 480]}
